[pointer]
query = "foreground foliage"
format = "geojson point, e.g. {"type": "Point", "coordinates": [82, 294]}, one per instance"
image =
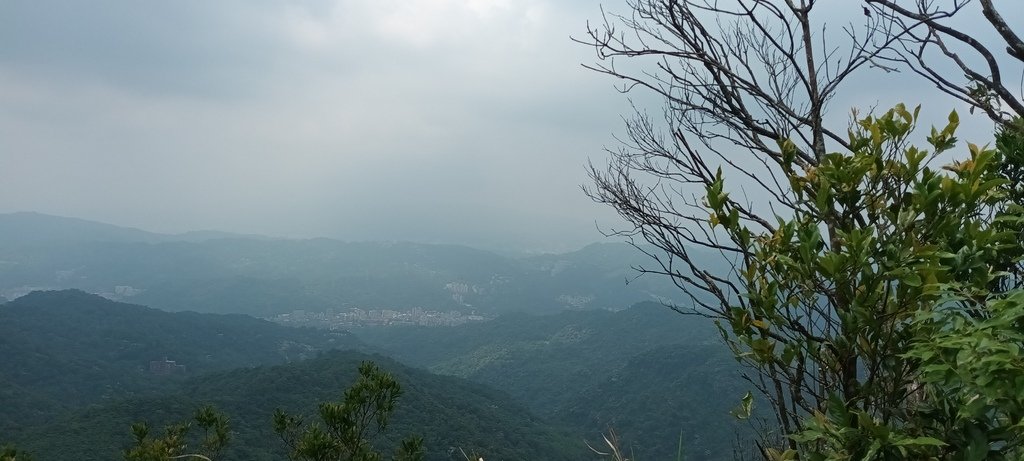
{"type": "Point", "coordinates": [856, 302]}
{"type": "Point", "coordinates": [174, 442]}
{"type": "Point", "coordinates": [348, 426]}
{"type": "Point", "coordinates": [8, 453]}
{"type": "Point", "coordinates": [850, 253]}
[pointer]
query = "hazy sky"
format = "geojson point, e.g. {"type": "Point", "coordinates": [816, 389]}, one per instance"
{"type": "Point", "coordinates": [463, 121]}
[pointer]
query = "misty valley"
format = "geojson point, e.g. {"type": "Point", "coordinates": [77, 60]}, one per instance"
{"type": "Point", "coordinates": [503, 230]}
{"type": "Point", "coordinates": [510, 357]}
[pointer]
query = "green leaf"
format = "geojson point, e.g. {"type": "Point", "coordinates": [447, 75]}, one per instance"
{"type": "Point", "coordinates": [745, 408]}
{"type": "Point", "coordinates": [923, 441]}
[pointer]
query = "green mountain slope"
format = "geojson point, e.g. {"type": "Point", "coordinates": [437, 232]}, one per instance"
{"type": "Point", "coordinates": [661, 395]}
{"type": "Point", "coordinates": [448, 412]}
{"type": "Point", "coordinates": [65, 349]}
{"type": "Point", "coordinates": [647, 372]}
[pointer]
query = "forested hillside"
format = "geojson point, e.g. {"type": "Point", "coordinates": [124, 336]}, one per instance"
{"type": "Point", "coordinates": [67, 349]}
{"type": "Point", "coordinates": [79, 375]}
{"type": "Point", "coordinates": [647, 372]}
{"type": "Point", "coordinates": [449, 413]}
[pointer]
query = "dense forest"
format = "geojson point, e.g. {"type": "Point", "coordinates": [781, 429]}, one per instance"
{"type": "Point", "coordinates": [596, 370]}
{"type": "Point", "coordinates": [83, 377]}
{"type": "Point", "coordinates": [449, 414]}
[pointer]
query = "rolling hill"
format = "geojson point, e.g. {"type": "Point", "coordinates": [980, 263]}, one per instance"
{"type": "Point", "coordinates": [449, 413]}
{"type": "Point", "coordinates": [68, 349]}
{"type": "Point", "coordinates": [651, 374]}
{"type": "Point", "coordinates": [221, 273]}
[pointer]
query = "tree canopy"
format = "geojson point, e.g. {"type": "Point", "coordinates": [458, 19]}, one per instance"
{"type": "Point", "coordinates": [861, 260]}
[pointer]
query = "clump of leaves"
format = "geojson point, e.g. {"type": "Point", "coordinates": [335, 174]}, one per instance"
{"type": "Point", "coordinates": [10, 453]}
{"type": "Point", "coordinates": [174, 443]}
{"type": "Point", "coordinates": [836, 290]}
{"type": "Point", "coordinates": [347, 427]}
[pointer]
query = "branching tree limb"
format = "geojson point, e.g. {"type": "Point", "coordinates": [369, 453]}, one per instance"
{"type": "Point", "coordinates": [746, 86]}
{"type": "Point", "coordinates": [934, 49]}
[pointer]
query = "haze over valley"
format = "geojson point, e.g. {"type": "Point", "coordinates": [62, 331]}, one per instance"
{"type": "Point", "coordinates": [124, 325]}
{"type": "Point", "coordinates": [503, 230]}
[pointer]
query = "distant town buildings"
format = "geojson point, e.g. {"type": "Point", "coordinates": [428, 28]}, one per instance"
{"type": "Point", "coordinates": [165, 367]}
{"type": "Point", "coordinates": [334, 319]}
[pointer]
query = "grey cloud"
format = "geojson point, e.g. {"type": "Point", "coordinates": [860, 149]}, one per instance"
{"type": "Point", "coordinates": [209, 49]}
{"type": "Point", "coordinates": [301, 119]}
{"type": "Point", "coordinates": [313, 118]}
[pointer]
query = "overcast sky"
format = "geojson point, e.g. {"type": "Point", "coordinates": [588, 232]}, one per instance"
{"type": "Point", "coordinates": [463, 121]}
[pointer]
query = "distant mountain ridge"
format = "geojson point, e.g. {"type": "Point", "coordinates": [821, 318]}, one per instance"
{"type": "Point", "coordinates": [588, 363]}
{"type": "Point", "coordinates": [263, 277]}
{"type": "Point", "coordinates": [31, 228]}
